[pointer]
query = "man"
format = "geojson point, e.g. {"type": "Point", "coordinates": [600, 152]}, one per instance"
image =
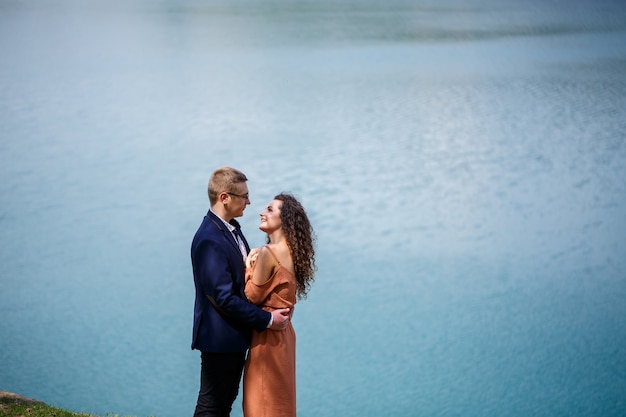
{"type": "Point", "coordinates": [223, 319]}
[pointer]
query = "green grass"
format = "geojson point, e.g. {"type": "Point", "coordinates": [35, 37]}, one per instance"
{"type": "Point", "coordinates": [13, 405]}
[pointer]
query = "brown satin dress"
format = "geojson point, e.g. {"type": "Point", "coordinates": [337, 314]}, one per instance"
{"type": "Point", "coordinates": [269, 381]}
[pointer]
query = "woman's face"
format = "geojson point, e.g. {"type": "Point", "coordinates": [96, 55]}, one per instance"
{"type": "Point", "coordinates": [270, 217]}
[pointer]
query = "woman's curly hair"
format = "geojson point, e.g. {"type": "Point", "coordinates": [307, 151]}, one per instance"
{"type": "Point", "coordinates": [301, 241]}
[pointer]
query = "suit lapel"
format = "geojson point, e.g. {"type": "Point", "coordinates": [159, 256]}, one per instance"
{"type": "Point", "coordinates": [227, 235]}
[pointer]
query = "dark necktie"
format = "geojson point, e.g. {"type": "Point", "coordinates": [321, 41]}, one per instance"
{"type": "Point", "coordinates": [242, 247]}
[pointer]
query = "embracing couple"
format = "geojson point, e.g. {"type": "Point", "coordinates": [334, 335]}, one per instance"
{"type": "Point", "coordinates": [245, 299]}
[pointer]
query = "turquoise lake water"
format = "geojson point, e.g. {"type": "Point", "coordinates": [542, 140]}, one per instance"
{"type": "Point", "coordinates": [463, 164]}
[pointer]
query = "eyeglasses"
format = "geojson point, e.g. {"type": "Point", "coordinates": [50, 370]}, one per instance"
{"type": "Point", "coordinates": [245, 197]}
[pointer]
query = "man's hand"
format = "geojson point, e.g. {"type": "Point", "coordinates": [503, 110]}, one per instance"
{"type": "Point", "coordinates": [280, 319]}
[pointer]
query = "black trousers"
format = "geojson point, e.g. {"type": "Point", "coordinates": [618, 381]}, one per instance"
{"type": "Point", "coordinates": [219, 383]}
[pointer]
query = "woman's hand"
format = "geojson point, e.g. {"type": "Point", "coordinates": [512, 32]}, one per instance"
{"type": "Point", "coordinates": [251, 259]}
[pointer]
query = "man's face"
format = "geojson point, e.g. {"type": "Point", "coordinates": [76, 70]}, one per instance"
{"type": "Point", "coordinates": [237, 200]}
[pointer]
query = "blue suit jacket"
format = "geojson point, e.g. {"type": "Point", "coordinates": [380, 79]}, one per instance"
{"type": "Point", "coordinates": [224, 323]}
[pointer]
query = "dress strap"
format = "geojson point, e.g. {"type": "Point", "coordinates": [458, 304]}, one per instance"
{"type": "Point", "coordinates": [273, 254]}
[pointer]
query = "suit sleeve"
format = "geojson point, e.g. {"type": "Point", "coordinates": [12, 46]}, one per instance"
{"type": "Point", "coordinates": [215, 273]}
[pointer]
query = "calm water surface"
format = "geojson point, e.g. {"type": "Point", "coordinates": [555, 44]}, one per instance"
{"type": "Point", "coordinates": [463, 163]}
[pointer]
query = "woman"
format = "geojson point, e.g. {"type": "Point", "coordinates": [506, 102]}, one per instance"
{"type": "Point", "coordinates": [277, 274]}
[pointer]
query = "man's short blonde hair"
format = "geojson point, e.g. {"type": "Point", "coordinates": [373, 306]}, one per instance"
{"type": "Point", "coordinates": [223, 180]}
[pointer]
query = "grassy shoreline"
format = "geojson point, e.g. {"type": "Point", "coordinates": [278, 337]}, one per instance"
{"type": "Point", "coordinates": [15, 405]}
{"type": "Point", "coordinates": [12, 405]}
